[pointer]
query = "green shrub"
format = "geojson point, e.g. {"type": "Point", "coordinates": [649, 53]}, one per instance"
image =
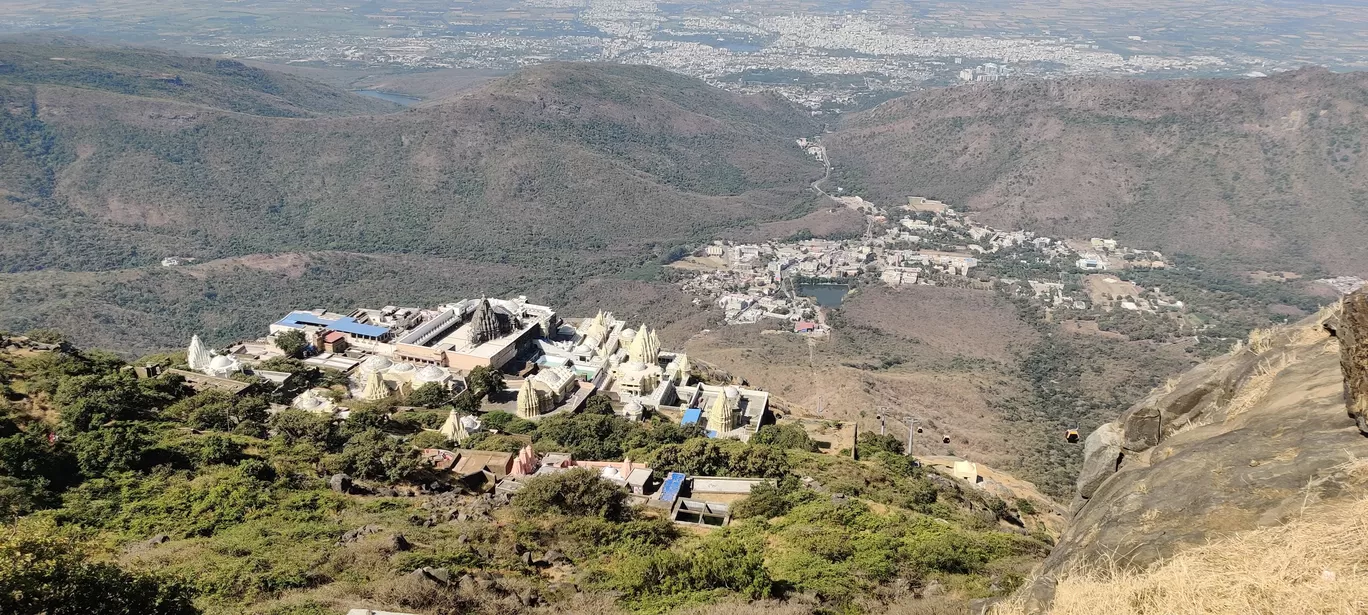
{"type": "Point", "coordinates": [431, 439]}
{"type": "Point", "coordinates": [670, 577]}
{"type": "Point", "coordinates": [117, 447]}
{"type": "Point", "coordinates": [42, 571]}
{"type": "Point", "coordinates": [497, 420]}
{"type": "Point", "coordinates": [455, 560]}
{"type": "Point", "coordinates": [430, 395]}
{"type": "Point", "coordinates": [574, 492]}
{"type": "Point", "coordinates": [373, 454]}
{"type": "Point", "coordinates": [216, 449]}
{"type": "Point", "coordinates": [788, 435]}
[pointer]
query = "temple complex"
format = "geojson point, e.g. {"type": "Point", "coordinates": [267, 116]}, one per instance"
{"type": "Point", "coordinates": [553, 366]}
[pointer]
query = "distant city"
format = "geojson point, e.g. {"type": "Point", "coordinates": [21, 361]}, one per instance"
{"type": "Point", "coordinates": [842, 56]}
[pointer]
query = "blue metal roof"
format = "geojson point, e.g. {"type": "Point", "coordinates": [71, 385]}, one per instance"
{"type": "Point", "coordinates": [669, 490]}
{"type": "Point", "coordinates": [345, 324]}
{"type": "Point", "coordinates": [691, 416]}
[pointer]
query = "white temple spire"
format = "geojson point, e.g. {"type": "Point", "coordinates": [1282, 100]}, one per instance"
{"type": "Point", "coordinates": [198, 354]}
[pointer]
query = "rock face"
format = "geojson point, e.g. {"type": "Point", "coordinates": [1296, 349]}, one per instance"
{"type": "Point", "coordinates": [1246, 440]}
{"type": "Point", "coordinates": [1352, 331]}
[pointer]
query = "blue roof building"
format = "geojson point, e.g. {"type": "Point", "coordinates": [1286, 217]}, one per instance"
{"type": "Point", "coordinates": [344, 324]}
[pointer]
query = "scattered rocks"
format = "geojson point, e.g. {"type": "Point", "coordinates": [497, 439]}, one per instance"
{"type": "Point", "coordinates": [157, 540]}
{"type": "Point", "coordinates": [351, 536]}
{"type": "Point", "coordinates": [430, 575]}
{"type": "Point", "coordinates": [526, 558]}
{"type": "Point", "coordinates": [555, 557]}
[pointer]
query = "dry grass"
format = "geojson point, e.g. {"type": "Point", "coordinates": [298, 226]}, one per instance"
{"type": "Point", "coordinates": [1257, 386]}
{"type": "Point", "coordinates": [1317, 564]}
{"type": "Point", "coordinates": [1261, 340]}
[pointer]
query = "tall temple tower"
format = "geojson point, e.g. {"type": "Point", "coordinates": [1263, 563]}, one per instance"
{"type": "Point", "coordinates": [532, 403]}
{"type": "Point", "coordinates": [484, 325]}
{"type": "Point", "coordinates": [198, 355]}
{"type": "Point", "coordinates": [719, 415]}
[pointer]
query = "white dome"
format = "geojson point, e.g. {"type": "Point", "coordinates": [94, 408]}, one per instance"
{"type": "Point", "coordinates": [221, 362]}
{"type": "Point", "coordinates": [402, 368]}
{"type": "Point", "coordinates": [731, 392]}
{"type": "Point", "coordinates": [376, 363]}
{"type": "Point", "coordinates": [430, 373]}
{"type": "Point", "coordinates": [627, 335]}
{"type": "Point", "coordinates": [581, 349]}
{"type": "Point", "coordinates": [308, 401]}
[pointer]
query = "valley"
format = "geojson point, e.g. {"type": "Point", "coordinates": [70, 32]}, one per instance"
{"type": "Point", "coordinates": [615, 267]}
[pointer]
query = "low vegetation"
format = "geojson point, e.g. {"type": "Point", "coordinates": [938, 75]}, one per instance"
{"type": "Point", "coordinates": [152, 499]}
{"type": "Point", "coordinates": [1312, 564]}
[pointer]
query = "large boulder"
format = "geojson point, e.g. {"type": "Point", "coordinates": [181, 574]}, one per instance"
{"type": "Point", "coordinates": [340, 483]}
{"type": "Point", "coordinates": [1101, 458]}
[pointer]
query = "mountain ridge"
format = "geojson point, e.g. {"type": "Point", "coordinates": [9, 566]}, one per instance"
{"type": "Point", "coordinates": [629, 157]}
{"type": "Point", "coordinates": [1260, 171]}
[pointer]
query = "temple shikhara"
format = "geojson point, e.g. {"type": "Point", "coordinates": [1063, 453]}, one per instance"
{"type": "Point", "coordinates": [549, 365]}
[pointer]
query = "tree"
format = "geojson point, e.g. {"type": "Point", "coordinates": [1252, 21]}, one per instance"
{"type": "Point", "coordinates": [298, 425]}
{"type": "Point", "coordinates": [430, 395]}
{"type": "Point", "coordinates": [88, 401]}
{"type": "Point", "coordinates": [598, 403]}
{"type": "Point", "coordinates": [870, 444]}
{"type": "Point", "coordinates": [431, 439]}
{"type": "Point", "coordinates": [47, 336]}
{"type": "Point", "coordinates": [467, 403]}
{"type": "Point", "coordinates": [486, 381]}
{"type": "Point", "coordinates": [365, 418]}
{"type": "Point", "coordinates": [373, 455]}
{"type": "Point", "coordinates": [497, 420]}
{"type": "Point", "coordinates": [575, 492]}
{"type": "Point", "coordinates": [45, 572]}
{"type": "Point", "coordinates": [586, 436]}
{"type": "Point", "coordinates": [220, 410]}
{"type": "Point", "coordinates": [292, 343]}
{"type": "Point", "coordinates": [283, 364]}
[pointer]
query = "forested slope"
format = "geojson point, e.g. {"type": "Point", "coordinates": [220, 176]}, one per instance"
{"type": "Point", "coordinates": [552, 161]}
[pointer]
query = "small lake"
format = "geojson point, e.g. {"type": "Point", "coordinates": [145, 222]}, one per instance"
{"type": "Point", "coordinates": [827, 295]}
{"type": "Point", "coordinates": [407, 101]}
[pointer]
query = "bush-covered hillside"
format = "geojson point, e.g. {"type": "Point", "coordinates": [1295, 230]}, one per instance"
{"type": "Point", "coordinates": [151, 499]}
{"type": "Point", "coordinates": [556, 160]}
{"type": "Point", "coordinates": [1266, 172]}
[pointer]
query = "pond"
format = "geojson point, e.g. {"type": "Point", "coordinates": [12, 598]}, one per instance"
{"type": "Point", "coordinates": [827, 295]}
{"type": "Point", "coordinates": [407, 101]}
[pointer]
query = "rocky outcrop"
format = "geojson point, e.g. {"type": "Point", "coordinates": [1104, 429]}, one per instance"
{"type": "Point", "coordinates": [1352, 331]}
{"type": "Point", "coordinates": [1247, 440]}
